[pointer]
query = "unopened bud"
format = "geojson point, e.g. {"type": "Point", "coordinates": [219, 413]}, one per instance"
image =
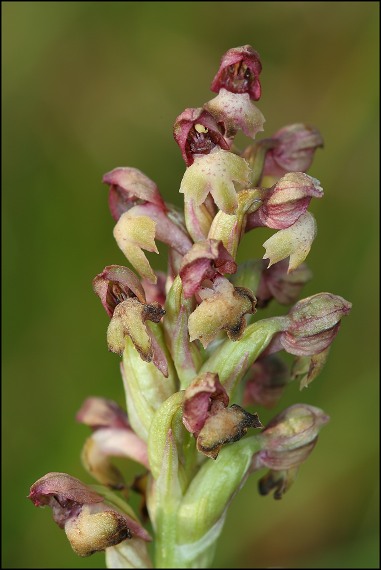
{"type": "Point", "coordinates": [314, 323]}
{"type": "Point", "coordinates": [294, 151]}
{"type": "Point", "coordinates": [285, 202]}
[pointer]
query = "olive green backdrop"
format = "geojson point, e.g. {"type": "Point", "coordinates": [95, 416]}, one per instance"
{"type": "Point", "coordinates": [88, 86]}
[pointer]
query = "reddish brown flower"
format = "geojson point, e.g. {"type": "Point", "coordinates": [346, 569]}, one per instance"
{"type": "Point", "coordinates": [197, 132]}
{"type": "Point", "coordinates": [239, 72]}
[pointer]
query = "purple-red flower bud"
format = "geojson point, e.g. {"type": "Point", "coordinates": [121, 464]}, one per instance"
{"type": "Point", "coordinates": [277, 283]}
{"type": "Point", "coordinates": [294, 151]}
{"type": "Point", "coordinates": [287, 441]}
{"type": "Point", "coordinates": [314, 323]}
{"type": "Point", "coordinates": [197, 132]}
{"type": "Point", "coordinates": [239, 72]}
{"type": "Point", "coordinates": [267, 379]}
{"type": "Point", "coordinates": [285, 202]}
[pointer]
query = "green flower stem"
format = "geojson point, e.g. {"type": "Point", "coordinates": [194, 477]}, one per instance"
{"type": "Point", "coordinates": [202, 511]}
{"type": "Point", "coordinates": [186, 355]}
{"type": "Point", "coordinates": [255, 154]}
{"type": "Point", "coordinates": [168, 497]}
{"type": "Point", "coordinates": [231, 359]}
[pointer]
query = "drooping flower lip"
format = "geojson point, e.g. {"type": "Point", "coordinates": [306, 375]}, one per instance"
{"type": "Point", "coordinates": [223, 308]}
{"type": "Point", "coordinates": [116, 284]}
{"type": "Point", "coordinates": [239, 72]}
{"type": "Point", "coordinates": [207, 416]}
{"type": "Point", "coordinates": [197, 132]}
{"type": "Point", "coordinates": [99, 412]}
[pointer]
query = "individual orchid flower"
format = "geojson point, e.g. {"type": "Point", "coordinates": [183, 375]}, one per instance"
{"type": "Point", "coordinates": [279, 284]}
{"type": "Point", "coordinates": [205, 260]}
{"type": "Point", "coordinates": [287, 441]}
{"type": "Point", "coordinates": [239, 72]}
{"type": "Point", "coordinates": [207, 416]}
{"type": "Point", "coordinates": [294, 151]}
{"type": "Point", "coordinates": [215, 173]}
{"type": "Point", "coordinates": [266, 381]}
{"type": "Point", "coordinates": [197, 132]}
{"type": "Point", "coordinates": [284, 203]}
{"type": "Point", "coordinates": [223, 308]}
{"type": "Point", "coordinates": [124, 300]}
{"type": "Point", "coordinates": [313, 323]}
{"type": "Point", "coordinates": [116, 284]}
{"type": "Point", "coordinates": [294, 242]}
{"type": "Point", "coordinates": [129, 187]}
{"type": "Point", "coordinates": [112, 437]}
{"type": "Point", "coordinates": [91, 523]}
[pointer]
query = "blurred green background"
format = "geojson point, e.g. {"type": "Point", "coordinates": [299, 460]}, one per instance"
{"type": "Point", "coordinates": [88, 86]}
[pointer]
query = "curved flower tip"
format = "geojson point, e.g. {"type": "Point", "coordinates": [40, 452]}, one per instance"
{"type": "Point", "coordinates": [236, 112]}
{"type": "Point", "coordinates": [207, 417]}
{"type": "Point", "coordinates": [128, 187]}
{"type": "Point", "coordinates": [294, 242]}
{"type": "Point", "coordinates": [239, 72]}
{"type": "Point", "coordinates": [307, 368]}
{"type": "Point", "coordinates": [215, 173]}
{"type": "Point", "coordinates": [285, 202]}
{"type": "Point", "coordinates": [90, 523]}
{"type": "Point", "coordinates": [112, 437]}
{"type": "Point", "coordinates": [129, 319]}
{"type": "Point", "coordinates": [223, 308]}
{"type": "Point", "coordinates": [294, 151]}
{"type": "Point", "coordinates": [133, 234]}
{"type": "Point", "coordinates": [99, 412]}
{"type": "Point", "coordinates": [197, 132]}
{"type": "Point", "coordinates": [277, 283]}
{"type": "Point", "coordinates": [277, 481]}
{"type": "Point", "coordinates": [314, 323]}
{"type": "Point", "coordinates": [116, 284]}
{"type": "Point", "coordinates": [205, 260]}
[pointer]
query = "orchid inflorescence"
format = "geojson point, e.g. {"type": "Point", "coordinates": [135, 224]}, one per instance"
{"type": "Point", "coordinates": [193, 351]}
